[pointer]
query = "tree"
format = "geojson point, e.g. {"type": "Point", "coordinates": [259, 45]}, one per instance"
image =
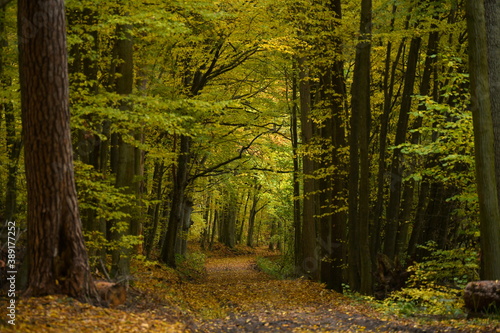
{"type": "Point", "coordinates": [360, 264]}
{"type": "Point", "coordinates": [481, 79]}
{"type": "Point", "coordinates": [57, 256]}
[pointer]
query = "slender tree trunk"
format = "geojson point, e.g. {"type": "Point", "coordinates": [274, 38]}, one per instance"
{"type": "Point", "coordinates": [57, 256]}
{"type": "Point", "coordinates": [309, 259]}
{"type": "Point", "coordinates": [125, 167]}
{"type": "Point", "coordinates": [360, 262]}
{"type": "Point", "coordinates": [13, 140]}
{"type": "Point", "coordinates": [388, 88]}
{"type": "Point", "coordinates": [253, 214]}
{"type": "Point", "coordinates": [297, 225]}
{"type": "Point", "coordinates": [410, 187]}
{"type": "Point", "coordinates": [157, 190]}
{"type": "Point", "coordinates": [397, 166]}
{"type": "Point", "coordinates": [243, 218]}
{"type": "Point", "coordinates": [178, 201]}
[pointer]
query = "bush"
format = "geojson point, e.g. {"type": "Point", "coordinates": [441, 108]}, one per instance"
{"type": "Point", "coordinates": [280, 268]}
{"type": "Point", "coordinates": [436, 284]}
{"type": "Point", "coordinates": [192, 266]}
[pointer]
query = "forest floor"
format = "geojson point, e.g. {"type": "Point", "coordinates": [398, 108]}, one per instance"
{"type": "Point", "coordinates": [230, 296]}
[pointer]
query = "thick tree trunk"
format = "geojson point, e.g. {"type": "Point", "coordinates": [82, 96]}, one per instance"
{"type": "Point", "coordinates": [492, 10]}
{"type": "Point", "coordinates": [58, 260]}
{"type": "Point", "coordinates": [484, 140]}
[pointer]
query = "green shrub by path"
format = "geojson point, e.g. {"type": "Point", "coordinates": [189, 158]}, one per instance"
{"type": "Point", "coordinates": [192, 266]}
{"type": "Point", "coordinates": [436, 284]}
{"type": "Point", "coordinates": [280, 268]}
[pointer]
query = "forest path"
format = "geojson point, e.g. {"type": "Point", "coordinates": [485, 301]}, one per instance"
{"type": "Point", "coordinates": [239, 298]}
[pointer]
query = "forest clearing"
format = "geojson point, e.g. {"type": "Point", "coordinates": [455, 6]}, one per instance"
{"type": "Point", "coordinates": [230, 294]}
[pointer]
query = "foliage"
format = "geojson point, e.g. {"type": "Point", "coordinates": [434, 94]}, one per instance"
{"type": "Point", "coordinates": [436, 284]}
{"type": "Point", "coordinates": [280, 268]}
{"type": "Point", "coordinates": [191, 266]}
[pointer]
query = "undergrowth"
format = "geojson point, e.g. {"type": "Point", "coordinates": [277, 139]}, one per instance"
{"type": "Point", "coordinates": [191, 266]}
{"type": "Point", "coordinates": [435, 285]}
{"type": "Point", "coordinates": [279, 268]}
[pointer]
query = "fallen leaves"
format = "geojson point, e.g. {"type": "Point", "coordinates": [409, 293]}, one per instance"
{"type": "Point", "coordinates": [232, 297]}
{"type": "Point", "coordinates": [63, 314]}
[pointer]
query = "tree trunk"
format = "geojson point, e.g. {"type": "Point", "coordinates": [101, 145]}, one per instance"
{"type": "Point", "coordinates": [297, 225]}
{"type": "Point", "coordinates": [389, 82]}
{"type": "Point", "coordinates": [360, 262]}
{"type": "Point", "coordinates": [58, 260]}
{"type": "Point", "coordinates": [492, 10]}
{"type": "Point", "coordinates": [239, 239]}
{"type": "Point", "coordinates": [484, 140]}
{"type": "Point", "coordinates": [397, 166]}
{"type": "Point", "coordinates": [157, 190]}
{"type": "Point", "coordinates": [178, 201]}
{"type": "Point", "coordinates": [125, 168]}
{"type": "Point", "coordinates": [309, 251]}
{"type": "Point", "coordinates": [253, 214]}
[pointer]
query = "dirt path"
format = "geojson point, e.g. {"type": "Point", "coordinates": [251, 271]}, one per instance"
{"type": "Point", "coordinates": [251, 301]}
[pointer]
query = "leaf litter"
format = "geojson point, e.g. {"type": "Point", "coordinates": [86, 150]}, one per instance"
{"type": "Point", "coordinates": [231, 296]}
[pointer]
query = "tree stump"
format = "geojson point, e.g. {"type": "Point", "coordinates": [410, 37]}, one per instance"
{"type": "Point", "coordinates": [113, 294]}
{"type": "Point", "coordinates": [480, 296]}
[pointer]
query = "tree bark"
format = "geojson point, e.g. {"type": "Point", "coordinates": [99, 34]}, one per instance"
{"type": "Point", "coordinates": [484, 140]}
{"type": "Point", "coordinates": [126, 168]}
{"type": "Point", "coordinates": [58, 260]}
{"type": "Point", "coordinates": [360, 261]}
{"type": "Point", "coordinates": [178, 201]}
{"type": "Point", "coordinates": [309, 254]}
{"type": "Point", "coordinates": [397, 166]}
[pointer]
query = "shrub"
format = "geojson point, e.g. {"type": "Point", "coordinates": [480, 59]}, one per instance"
{"type": "Point", "coordinates": [280, 268]}
{"type": "Point", "coordinates": [192, 266]}
{"type": "Point", "coordinates": [435, 286]}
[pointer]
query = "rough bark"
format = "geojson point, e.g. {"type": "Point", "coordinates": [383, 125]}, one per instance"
{"type": "Point", "coordinates": [483, 141]}
{"type": "Point", "coordinates": [58, 260]}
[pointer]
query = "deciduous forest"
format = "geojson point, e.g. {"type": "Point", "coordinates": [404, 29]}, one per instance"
{"type": "Point", "coordinates": [250, 165]}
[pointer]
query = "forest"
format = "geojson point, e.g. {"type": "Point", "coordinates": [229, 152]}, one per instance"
{"type": "Point", "coordinates": [344, 152]}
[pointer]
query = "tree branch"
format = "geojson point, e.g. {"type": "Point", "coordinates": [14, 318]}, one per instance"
{"type": "Point", "coordinates": [237, 157]}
